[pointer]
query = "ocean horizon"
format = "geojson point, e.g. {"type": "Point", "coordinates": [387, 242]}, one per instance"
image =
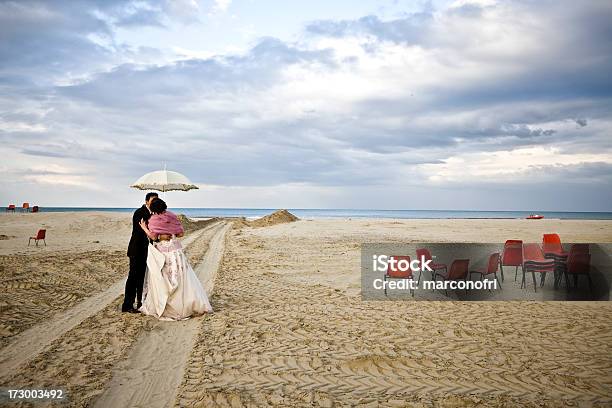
{"type": "Point", "coordinates": [359, 213]}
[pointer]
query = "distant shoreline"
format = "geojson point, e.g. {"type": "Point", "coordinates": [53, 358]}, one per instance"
{"type": "Point", "coordinates": [360, 214]}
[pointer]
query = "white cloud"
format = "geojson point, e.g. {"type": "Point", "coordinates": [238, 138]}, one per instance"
{"type": "Point", "coordinates": [221, 6]}
{"type": "Point", "coordinates": [515, 166]}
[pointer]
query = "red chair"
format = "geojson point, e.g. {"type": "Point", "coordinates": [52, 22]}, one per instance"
{"type": "Point", "coordinates": [458, 271]}
{"type": "Point", "coordinates": [393, 272]}
{"type": "Point", "coordinates": [423, 253]}
{"type": "Point", "coordinates": [579, 263]}
{"type": "Point", "coordinates": [551, 243]}
{"type": "Point", "coordinates": [552, 248]}
{"type": "Point", "coordinates": [35, 209]}
{"type": "Point", "coordinates": [535, 262]}
{"type": "Point", "coordinates": [11, 207]}
{"type": "Point", "coordinates": [40, 235]}
{"type": "Point", "coordinates": [25, 207]}
{"type": "Point", "coordinates": [512, 255]}
{"type": "Point", "coordinates": [491, 269]}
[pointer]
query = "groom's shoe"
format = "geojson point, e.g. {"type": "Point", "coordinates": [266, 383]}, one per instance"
{"type": "Point", "coordinates": [128, 309]}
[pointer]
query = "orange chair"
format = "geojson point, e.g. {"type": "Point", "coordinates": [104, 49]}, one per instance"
{"type": "Point", "coordinates": [491, 269]}
{"type": "Point", "coordinates": [10, 208]}
{"type": "Point", "coordinates": [458, 271]}
{"type": "Point", "coordinates": [40, 236]}
{"type": "Point", "coordinates": [579, 263]}
{"type": "Point", "coordinates": [512, 256]}
{"type": "Point", "coordinates": [25, 207]}
{"type": "Point", "coordinates": [393, 272]}
{"type": "Point", "coordinates": [534, 261]}
{"type": "Point", "coordinates": [423, 253]}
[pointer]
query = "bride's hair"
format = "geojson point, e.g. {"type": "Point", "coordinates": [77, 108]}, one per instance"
{"type": "Point", "coordinates": [158, 206]}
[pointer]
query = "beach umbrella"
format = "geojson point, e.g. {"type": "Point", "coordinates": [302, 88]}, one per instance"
{"type": "Point", "coordinates": [164, 180]}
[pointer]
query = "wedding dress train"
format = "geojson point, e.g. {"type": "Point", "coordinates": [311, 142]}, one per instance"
{"type": "Point", "coordinates": [172, 291]}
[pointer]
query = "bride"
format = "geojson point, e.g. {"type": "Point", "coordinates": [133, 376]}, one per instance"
{"type": "Point", "coordinates": [172, 291]}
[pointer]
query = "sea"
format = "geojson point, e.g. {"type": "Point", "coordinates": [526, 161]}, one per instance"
{"type": "Point", "coordinates": [314, 213]}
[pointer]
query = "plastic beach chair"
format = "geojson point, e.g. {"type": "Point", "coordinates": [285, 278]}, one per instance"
{"type": "Point", "coordinates": [423, 253]}
{"type": "Point", "coordinates": [40, 236]}
{"type": "Point", "coordinates": [579, 263]}
{"type": "Point", "coordinates": [491, 268]}
{"type": "Point", "coordinates": [393, 272]}
{"type": "Point", "coordinates": [458, 271]}
{"type": "Point", "coordinates": [512, 255]}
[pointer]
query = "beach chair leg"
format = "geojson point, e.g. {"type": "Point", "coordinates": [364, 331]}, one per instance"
{"type": "Point", "coordinates": [567, 286]}
{"type": "Point", "coordinates": [502, 273]}
{"type": "Point", "coordinates": [516, 273]}
{"type": "Point", "coordinates": [498, 282]}
{"type": "Point", "coordinates": [535, 285]}
{"type": "Point", "coordinates": [542, 279]}
{"type": "Point", "coordinates": [29, 241]}
{"type": "Point", "coordinates": [419, 278]}
{"type": "Point", "coordinates": [385, 284]}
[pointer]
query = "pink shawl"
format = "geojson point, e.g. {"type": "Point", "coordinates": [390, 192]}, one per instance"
{"type": "Point", "coordinates": [165, 223]}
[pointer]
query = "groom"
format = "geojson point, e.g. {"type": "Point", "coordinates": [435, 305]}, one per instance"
{"type": "Point", "coordinates": [137, 252]}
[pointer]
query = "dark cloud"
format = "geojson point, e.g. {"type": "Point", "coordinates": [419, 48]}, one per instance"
{"type": "Point", "coordinates": [581, 122]}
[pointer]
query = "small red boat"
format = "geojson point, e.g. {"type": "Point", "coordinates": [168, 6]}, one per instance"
{"type": "Point", "coordinates": [535, 217]}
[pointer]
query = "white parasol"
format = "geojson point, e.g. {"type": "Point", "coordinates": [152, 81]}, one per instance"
{"type": "Point", "coordinates": [164, 180]}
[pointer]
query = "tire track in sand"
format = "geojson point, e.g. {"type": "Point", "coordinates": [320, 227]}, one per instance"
{"type": "Point", "coordinates": [31, 342]}
{"type": "Point", "coordinates": [153, 371]}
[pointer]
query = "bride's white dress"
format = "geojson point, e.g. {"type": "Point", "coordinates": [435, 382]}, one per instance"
{"type": "Point", "coordinates": [172, 291]}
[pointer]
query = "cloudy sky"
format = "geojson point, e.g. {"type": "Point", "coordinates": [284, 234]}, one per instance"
{"type": "Point", "coordinates": [310, 104]}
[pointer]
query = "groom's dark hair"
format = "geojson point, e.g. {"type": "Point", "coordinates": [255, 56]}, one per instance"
{"type": "Point", "coordinates": [158, 206]}
{"type": "Point", "coordinates": [149, 195]}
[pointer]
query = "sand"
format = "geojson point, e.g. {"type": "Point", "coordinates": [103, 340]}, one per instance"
{"type": "Point", "coordinates": [275, 218]}
{"type": "Point", "coordinates": [290, 329]}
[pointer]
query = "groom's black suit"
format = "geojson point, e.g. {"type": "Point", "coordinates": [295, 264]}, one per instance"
{"type": "Point", "coordinates": [137, 251]}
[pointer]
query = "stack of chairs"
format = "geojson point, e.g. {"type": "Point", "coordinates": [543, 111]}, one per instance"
{"type": "Point", "coordinates": [534, 261]}
{"type": "Point", "coordinates": [551, 245]}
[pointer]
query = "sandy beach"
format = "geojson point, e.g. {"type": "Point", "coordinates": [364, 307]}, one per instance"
{"type": "Point", "coordinates": [290, 328]}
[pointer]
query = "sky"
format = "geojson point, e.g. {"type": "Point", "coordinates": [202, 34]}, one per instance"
{"type": "Point", "coordinates": [372, 104]}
